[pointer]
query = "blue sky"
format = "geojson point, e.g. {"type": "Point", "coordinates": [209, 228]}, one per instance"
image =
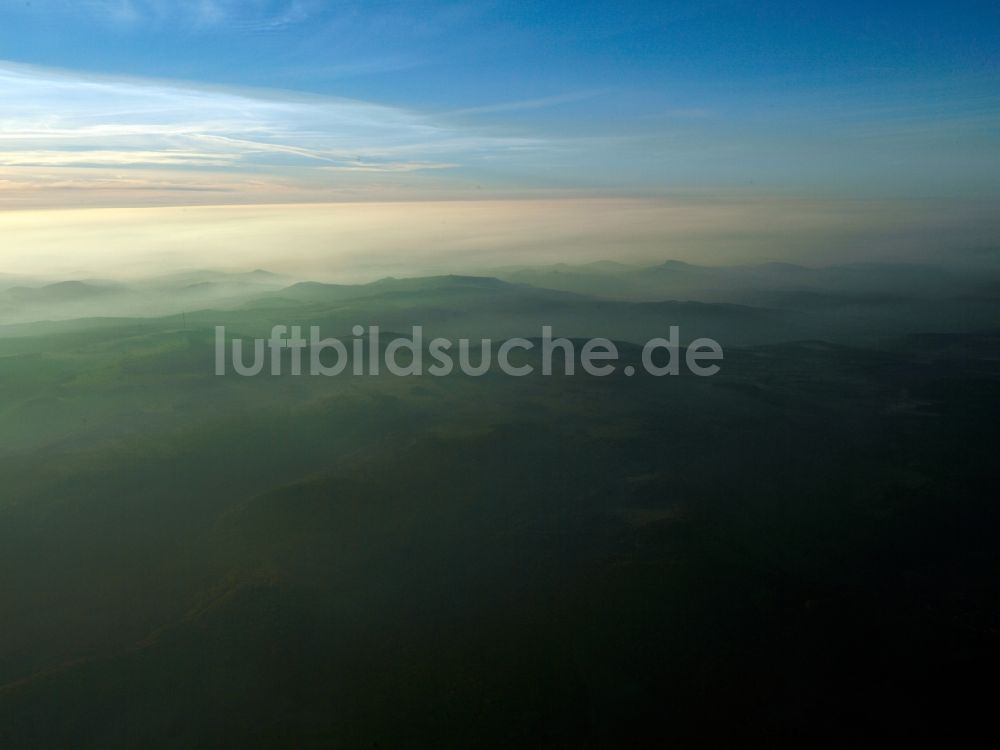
{"type": "Point", "coordinates": [171, 101]}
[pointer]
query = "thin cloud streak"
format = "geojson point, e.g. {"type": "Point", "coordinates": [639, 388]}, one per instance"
{"type": "Point", "coordinates": [524, 104]}
{"type": "Point", "coordinates": [53, 119]}
{"type": "Point", "coordinates": [110, 158]}
{"type": "Point", "coordinates": [243, 15]}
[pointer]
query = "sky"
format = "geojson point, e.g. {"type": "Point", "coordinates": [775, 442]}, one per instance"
{"type": "Point", "coordinates": [166, 101]}
{"type": "Point", "coordinates": [143, 103]}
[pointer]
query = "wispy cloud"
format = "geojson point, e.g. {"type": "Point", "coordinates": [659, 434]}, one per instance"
{"type": "Point", "coordinates": [96, 157]}
{"type": "Point", "coordinates": [54, 120]}
{"type": "Point", "coordinates": [523, 104]}
{"type": "Point", "coordinates": [390, 166]}
{"type": "Point", "coordinates": [260, 15]}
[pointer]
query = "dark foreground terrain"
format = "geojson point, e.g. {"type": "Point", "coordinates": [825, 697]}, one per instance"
{"type": "Point", "coordinates": [800, 550]}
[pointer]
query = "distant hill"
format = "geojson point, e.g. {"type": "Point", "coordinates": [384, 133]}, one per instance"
{"type": "Point", "coordinates": [737, 305]}
{"type": "Point", "coordinates": [72, 299]}
{"type": "Point", "coordinates": [64, 291]}
{"type": "Point", "coordinates": [675, 279]}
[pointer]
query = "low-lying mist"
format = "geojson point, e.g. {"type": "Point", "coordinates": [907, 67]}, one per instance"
{"type": "Point", "coordinates": [360, 242]}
